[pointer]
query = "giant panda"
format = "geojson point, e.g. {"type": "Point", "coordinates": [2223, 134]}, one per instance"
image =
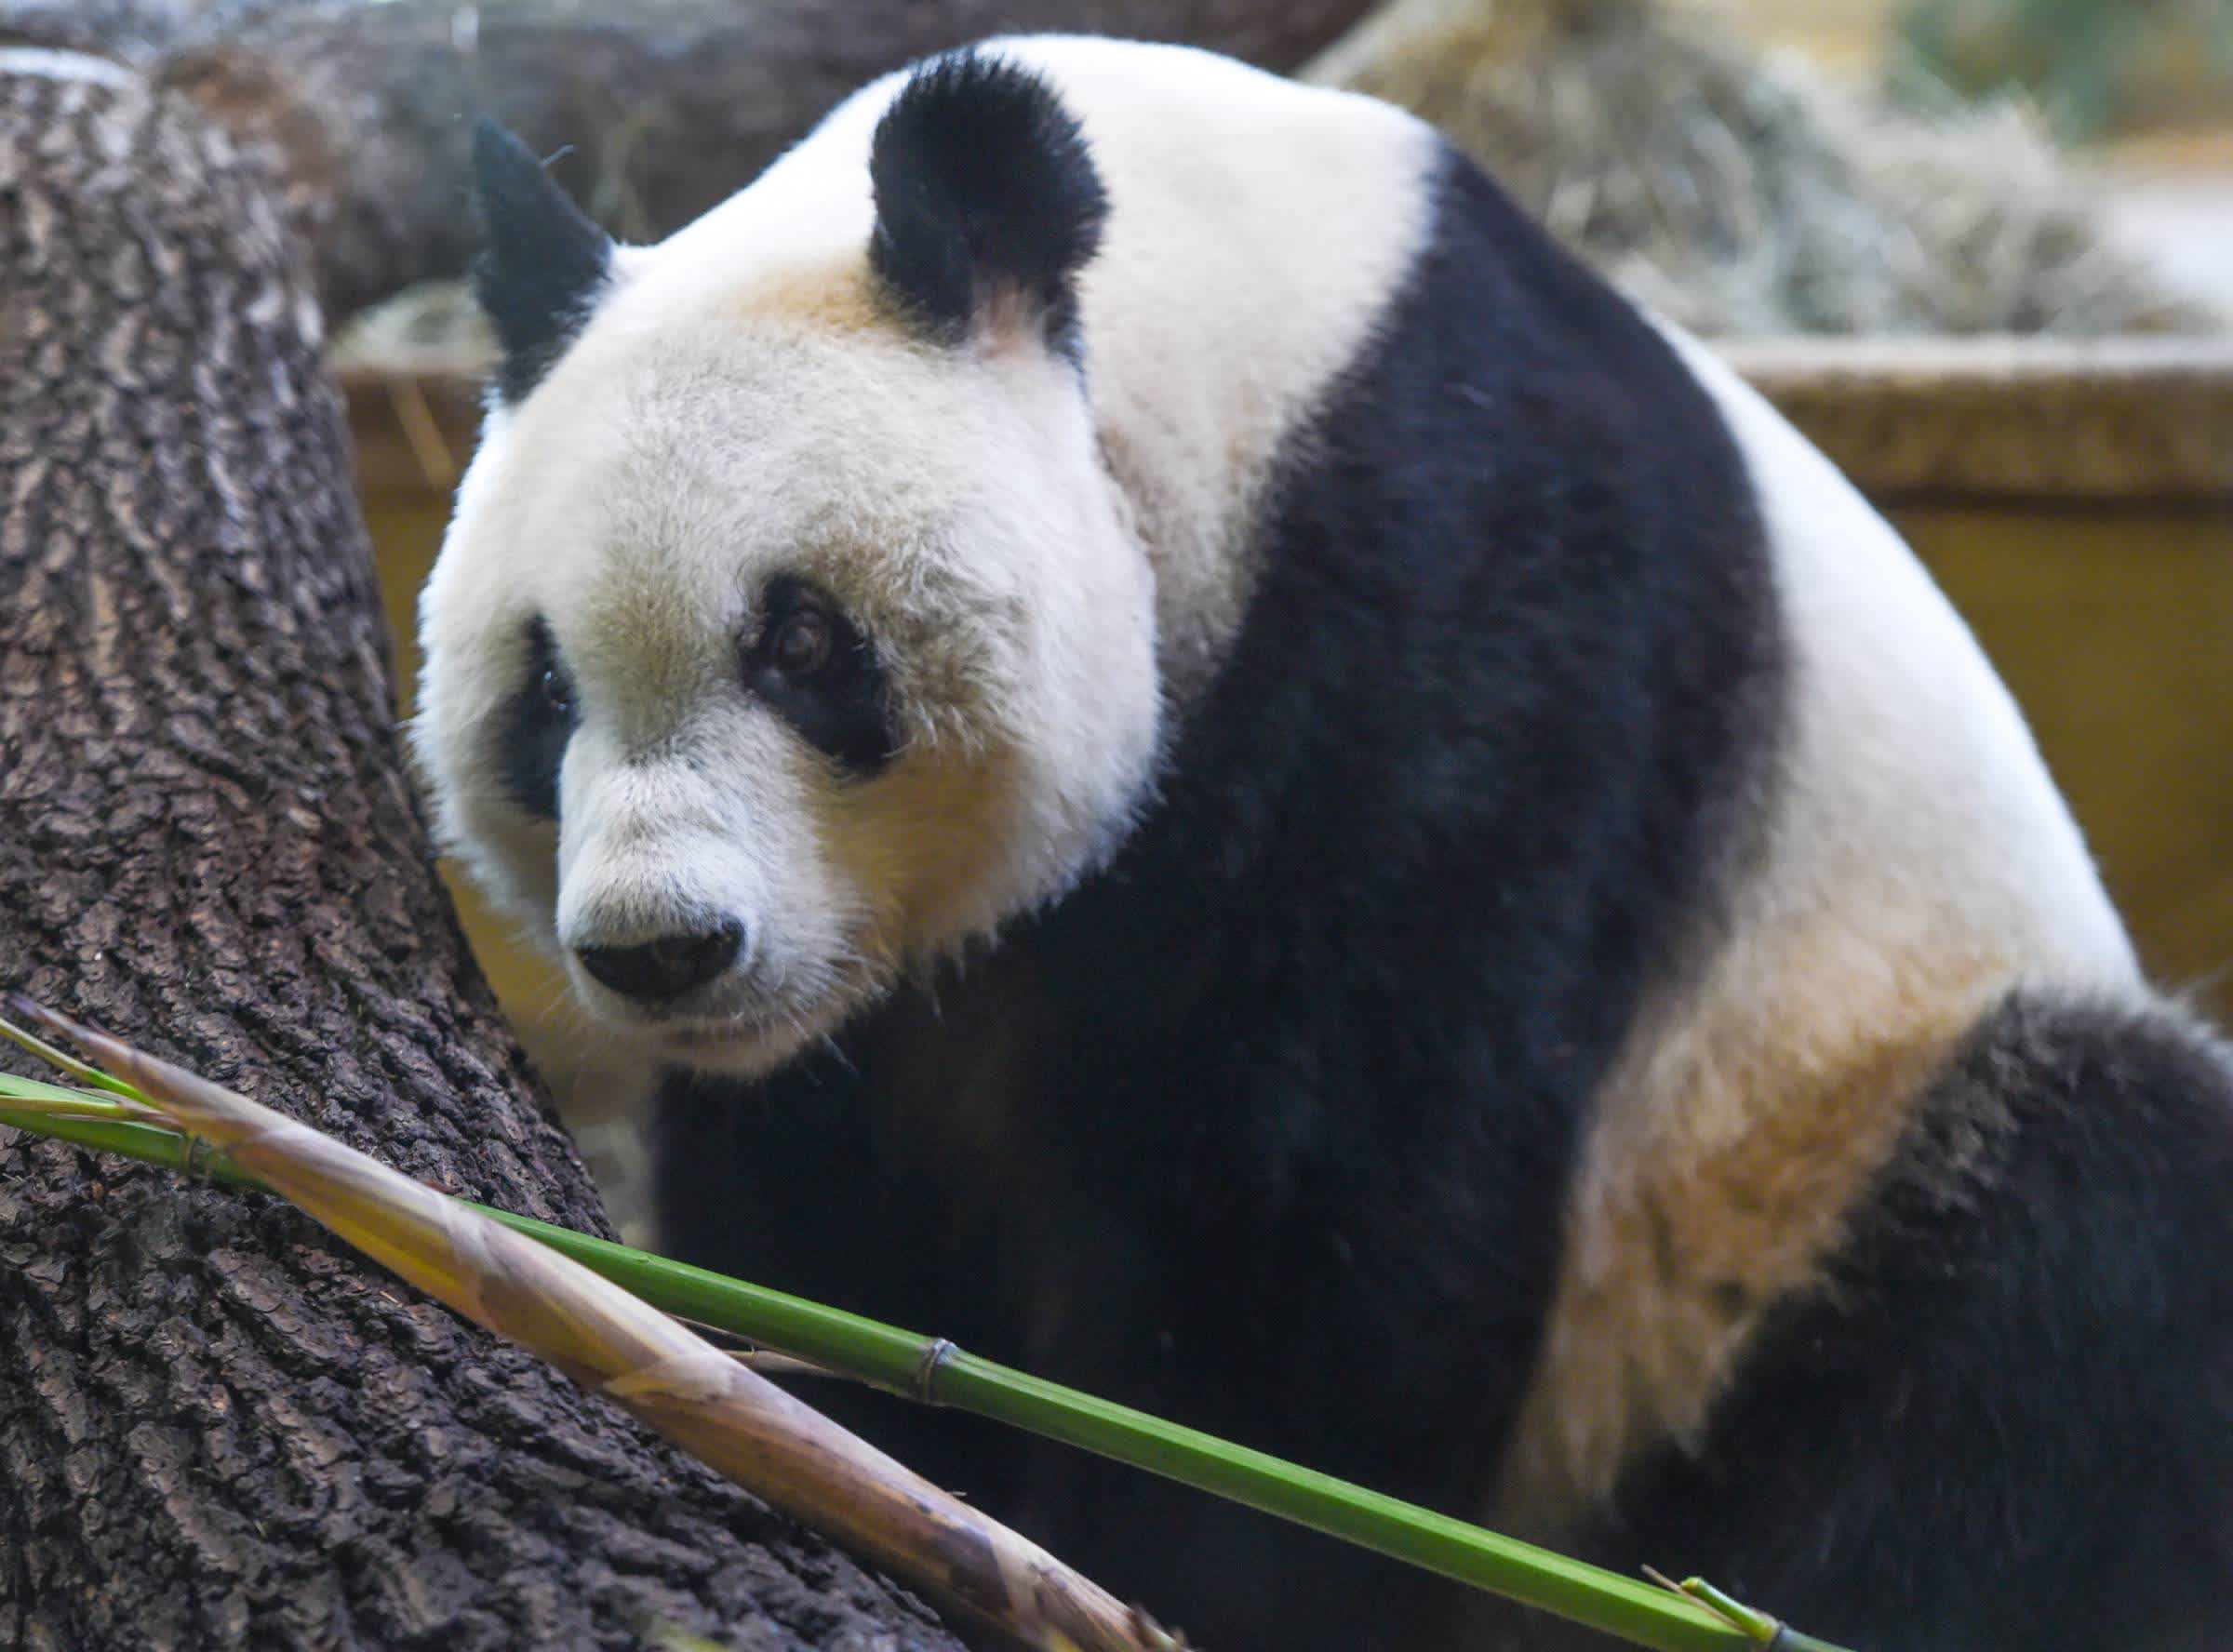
{"type": "Point", "coordinates": [1223, 777]}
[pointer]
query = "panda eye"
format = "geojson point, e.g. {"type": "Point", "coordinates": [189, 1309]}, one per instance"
{"type": "Point", "coordinates": [536, 724]}
{"type": "Point", "coordinates": [811, 665]}
{"type": "Point", "coordinates": [557, 693]}
{"type": "Point", "coordinates": [803, 643]}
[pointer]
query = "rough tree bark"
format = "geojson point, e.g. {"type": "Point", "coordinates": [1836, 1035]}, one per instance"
{"type": "Point", "coordinates": [668, 105]}
{"type": "Point", "coordinates": [217, 1428]}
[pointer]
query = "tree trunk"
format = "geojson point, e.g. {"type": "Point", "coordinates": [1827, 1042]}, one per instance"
{"type": "Point", "coordinates": [669, 105]}
{"type": "Point", "coordinates": [218, 1428]}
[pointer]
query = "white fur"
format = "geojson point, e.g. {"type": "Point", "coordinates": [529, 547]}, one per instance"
{"type": "Point", "coordinates": [1039, 571]}
{"type": "Point", "coordinates": [1917, 799]}
{"type": "Point", "coordinates": [1916, 863]}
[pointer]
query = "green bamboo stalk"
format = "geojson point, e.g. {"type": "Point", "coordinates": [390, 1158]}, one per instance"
{"type": "Point", "coordinates": [165, 1149]}
{"type": "Point", "coordinates": [934, 1371]}
{"type": "Point", "coordinates": [1690, 1617]}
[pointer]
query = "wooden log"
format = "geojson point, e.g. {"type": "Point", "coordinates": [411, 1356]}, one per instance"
{"type": "Point", "coordinates": [218, 1427]}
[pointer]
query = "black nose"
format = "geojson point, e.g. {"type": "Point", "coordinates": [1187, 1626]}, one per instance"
{"type": "Point", "coordinates": [667, 967]}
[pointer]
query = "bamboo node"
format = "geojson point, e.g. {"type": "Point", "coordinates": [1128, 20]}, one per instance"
{"type": "Point", "coordinates": [926, 1371]}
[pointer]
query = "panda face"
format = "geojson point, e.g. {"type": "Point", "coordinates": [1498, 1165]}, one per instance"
{"type": "Point", "coordinates": [789, 629]}
{"type": "Point", "coordinates": [814, 600]}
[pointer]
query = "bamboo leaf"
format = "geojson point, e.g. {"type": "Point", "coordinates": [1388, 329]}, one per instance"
{"type": "Point", "coordinates": [62, 1100]}
{"type": "Point", "coordinates": [91, 1076]}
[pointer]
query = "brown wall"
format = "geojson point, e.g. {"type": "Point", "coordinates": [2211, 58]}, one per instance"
{"type": "Point", "coordinates": [2114, 628]}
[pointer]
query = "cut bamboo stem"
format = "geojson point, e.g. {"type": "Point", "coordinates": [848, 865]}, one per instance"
{"type": "Point", "coordinates": [613, 1343]}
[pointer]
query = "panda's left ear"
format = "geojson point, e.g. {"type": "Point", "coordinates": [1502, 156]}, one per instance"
{"type": "Point", "coordinates": [543, 263]}
{"type": "Point", "coordinates": [987, 203]}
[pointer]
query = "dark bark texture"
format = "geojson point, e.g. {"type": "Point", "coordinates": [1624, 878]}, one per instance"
{"type": "Point", "coordinates": [668, 105]}
{"type": "Point", "coordinates": [218, 1428]}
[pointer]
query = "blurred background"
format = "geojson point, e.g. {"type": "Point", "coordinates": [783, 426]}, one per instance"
{"type": "Point", "coordinates": [1981, 250]}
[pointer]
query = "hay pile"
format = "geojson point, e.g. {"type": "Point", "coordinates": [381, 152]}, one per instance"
{"type": "Point", "coordinates": [1744, 195]}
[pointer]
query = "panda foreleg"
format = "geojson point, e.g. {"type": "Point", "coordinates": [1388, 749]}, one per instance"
{"type": "Point", "coordinates": [791, 1184]}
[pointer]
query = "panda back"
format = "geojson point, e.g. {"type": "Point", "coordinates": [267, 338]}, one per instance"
{"type": "Point", "coordinates": [1420, 485]}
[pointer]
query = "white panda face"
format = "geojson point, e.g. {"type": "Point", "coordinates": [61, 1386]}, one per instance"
{"type": "Point", "coordinates": [782, 639]}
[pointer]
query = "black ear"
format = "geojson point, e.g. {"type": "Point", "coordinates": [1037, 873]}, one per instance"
{"type": "Point", "coordinates": [987, 202]}
{"type": "Point", "coordinates": [542, 265]}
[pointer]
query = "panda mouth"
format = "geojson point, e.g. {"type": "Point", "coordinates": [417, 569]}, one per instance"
{"type": "Point", "coordinates": [742, 1048]}
{"type": "Point", "coordinates": [751, 1046]}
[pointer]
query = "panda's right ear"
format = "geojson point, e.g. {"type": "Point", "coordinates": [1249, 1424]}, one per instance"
{"type": "Point", "coordinates": [543, 263]}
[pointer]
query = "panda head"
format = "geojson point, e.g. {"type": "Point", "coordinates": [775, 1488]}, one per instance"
{"type": "Point", "coordinates": [789, 629]}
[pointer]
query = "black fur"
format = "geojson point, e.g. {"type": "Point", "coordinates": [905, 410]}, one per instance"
{"type": "Point", "coordinates": [543, 263]}
{"type": "Point", "coordinates": [1285, 1100]}
{"type": "Point", "coordinates": [844, 711]}
{"type": "Point", "coordinates": [531, 736]}
{"type": "Point", "coordinates": [2008, 1424]}
{"type": "Point", "coordinates": [984, 192]}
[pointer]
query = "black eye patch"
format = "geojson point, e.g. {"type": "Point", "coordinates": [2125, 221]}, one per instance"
{"type": "Point", "coordinates": [535, 725]}
{"type": "Point", "coordinates": [814, 668]}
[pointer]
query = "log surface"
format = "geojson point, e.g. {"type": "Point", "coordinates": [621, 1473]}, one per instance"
{"type": "Point", "coordinates": [218, 1428]}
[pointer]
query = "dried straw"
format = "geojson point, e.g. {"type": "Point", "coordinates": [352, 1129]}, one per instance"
{"type": "Point", "coordinates": [1741, 193]}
